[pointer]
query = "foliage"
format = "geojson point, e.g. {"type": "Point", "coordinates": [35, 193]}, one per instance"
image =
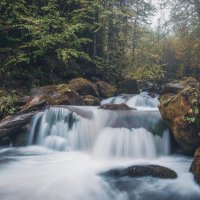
{"type": "Point", "coordinates": [193, 95]}
{"type": "Point", "coordinates": [7, 105]}
{"type": "Point", "coordinates": [154, 72]}
{"type": "Point", "coordinates": [57, 37]}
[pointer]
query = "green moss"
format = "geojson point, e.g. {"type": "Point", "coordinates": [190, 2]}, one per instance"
{"type": "Point", "coordinates": [7, 105]}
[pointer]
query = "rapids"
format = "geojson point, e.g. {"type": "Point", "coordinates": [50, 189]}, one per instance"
{"type": "Point", "coordinates": [69, 147]}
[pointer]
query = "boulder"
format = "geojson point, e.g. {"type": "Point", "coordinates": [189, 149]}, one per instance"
{"type": "Point", "coordinates": [176, 86]}
{"type": "Point", "coordinates": [195, 167]}
{"type": "Point", "coordinates": [106, 90]}
{"type": "Point", "coordinates": [122, 106]}
{"type": "Point", "coordinates": [181, 111]}
{"type": "Point", "coordinates": [12, 126]}
{"type": "Point", "coordinates": [143, 170]}
{"type": "Point", "coordinates": [84, 87]}
{"type": "Point", "coordinates": [151, 86]}
{"type": "Point", "coordinates": [61, 94]}
{"type": "Point", "coordinates": [90, 100]}
{"type": "Point", "coordinates": [129, 86]}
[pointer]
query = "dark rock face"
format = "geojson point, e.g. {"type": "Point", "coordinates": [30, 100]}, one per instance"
{"type": "Point", "coordinates": [144, 170]}
{"type": "Point", "coordinates": [90, 100]}
{"type": "Point", "coordinates": [106, 90]}
{"type": "Point", "coordinates": [84, 87]}
{"type": "Point", "coordinates": [14, 125]}
{"type": "Point", "coordinates": [176, 109]}
{"type": "Point", "coordinates": [150, 86]}
{"type": "Point", "coordinates": [122, 106]}
{"type": "Point", "coordinates": [129, 86]}
{"type": "Point", "coordinates": [195, 167]}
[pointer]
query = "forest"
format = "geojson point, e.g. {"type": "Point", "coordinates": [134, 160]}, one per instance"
{"type": "Point", "coordinates": [45, 42]}
{"type": "Point", "coordinates": [100, 99]}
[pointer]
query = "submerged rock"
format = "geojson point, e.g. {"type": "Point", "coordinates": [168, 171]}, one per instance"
{"type": "Point", "coordinates": [122, 106]}
{"type": "Point", "coordinates": [195, 167]}
{"type": "Point", "coordinates": [106, 90]}
{"type": "Point", "coordinates": [181, 111]}
{"type": "Point", "coordinates": [143, 170]}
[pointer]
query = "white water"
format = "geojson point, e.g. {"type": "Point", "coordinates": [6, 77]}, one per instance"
{"type": "Point", "coordinates": [71, 151]}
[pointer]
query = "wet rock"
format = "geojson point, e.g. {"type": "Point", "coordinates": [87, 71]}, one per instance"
{"type": "Point", "coordinates": [143, 170]}
{"type": "Point", "coordinates": [152, 94]}
{"type": "Point", "coordinates": [181, 111]}
{"type": "Point", "coordinates": [84, 87]}
{"type": "Point", "coordinates": [122, 106]}
{"type": "Point", "coordinates": [14, 125]}
{"type": "Point", "coordinates": [90, 100]}
{"type": "Point", "coordinates": [83, 113]}
{"type": "Point", "coordinates": [5, 142]}
{"type": "Point", "coordinates": [151, 86]}
{"type": "Point", "coordinates": [129, 86]}
{"type": "Point", "coordinates": [195, 167]}
{"type": "Point", "coordinates": [106, 90]}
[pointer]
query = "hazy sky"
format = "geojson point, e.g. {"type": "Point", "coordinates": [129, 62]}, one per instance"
{"type": "Point", "coordinates": [162, 15]}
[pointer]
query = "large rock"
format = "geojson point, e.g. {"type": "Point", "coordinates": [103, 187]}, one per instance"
{"type": "Point", "coordinates": [122, 106]}
{"type": "Point", "coordinates": [106, 90]}
{"type": "Point", "coordinates": [90, 100]}
{"type": "Point", "coordinates": [195, 167]}
{"type": "Point", "coordinates": [149, 85]}
{"type": "Point", "coordinates": [143, 170]}
{"type": "Point", "coordinates": [61, 94]}
{"type": "Point", "coordinates": [176, 86]}
{"type": "Point", "coordinates": [13, 126]}
{"type": "Point", "coordinates": [129, 86]}
{"type": "Point", "coordinates": [181, 111]}
{"type": "Point", "coordinates": [84, 87]}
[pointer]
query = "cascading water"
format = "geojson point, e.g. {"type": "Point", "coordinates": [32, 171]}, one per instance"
{"type": "Point", "coordinates": [69, 147]}
{"type": "Point", "coordinates": [122, 133]}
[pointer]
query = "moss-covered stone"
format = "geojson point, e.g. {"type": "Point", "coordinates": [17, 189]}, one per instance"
{"type": "Point", "coordinates": [106, 90]}
{"type": "Point", "coordinates": [90, 100]}
{"type": "Point", "coordinates": [84, 87]}
{"type": "Point", "coordinates": [181, 111]}
{"type": "Point", "coordinates": [61, 94]}
{"type": "Point", "coordinates": [195, 167]}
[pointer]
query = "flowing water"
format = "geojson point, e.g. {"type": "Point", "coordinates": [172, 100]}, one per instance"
{"type": "Point", "coordinates": [69, 147]}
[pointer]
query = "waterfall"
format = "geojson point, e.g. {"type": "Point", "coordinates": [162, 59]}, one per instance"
{"type": "Point", "coordinates": [137, 133]}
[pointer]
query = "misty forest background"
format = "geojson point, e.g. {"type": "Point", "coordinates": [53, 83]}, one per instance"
{"type": "Point", "coordinates": [51, 41]}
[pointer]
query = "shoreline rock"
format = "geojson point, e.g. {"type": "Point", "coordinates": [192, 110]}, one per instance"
{"type": "Point", "coordinates": [181, 112]}
{"type": "Point", "coordinates": [195, 167]}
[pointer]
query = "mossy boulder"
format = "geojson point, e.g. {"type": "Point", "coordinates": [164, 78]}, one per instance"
{"type": "Point", "coordinates": [106, 90]}
{"type": "Point", "coordinates": [61, 94]}
{"type": "Point", "coordinates": [195, 167]}
{"type": "Point", "coordinates": [176, 86]}
{"type": "Point", "coordinates": [84, 87]}
{"type": "Point", "coordinates": [181, 111]}
{"type": "Point", "coordinates": [90, 100]}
